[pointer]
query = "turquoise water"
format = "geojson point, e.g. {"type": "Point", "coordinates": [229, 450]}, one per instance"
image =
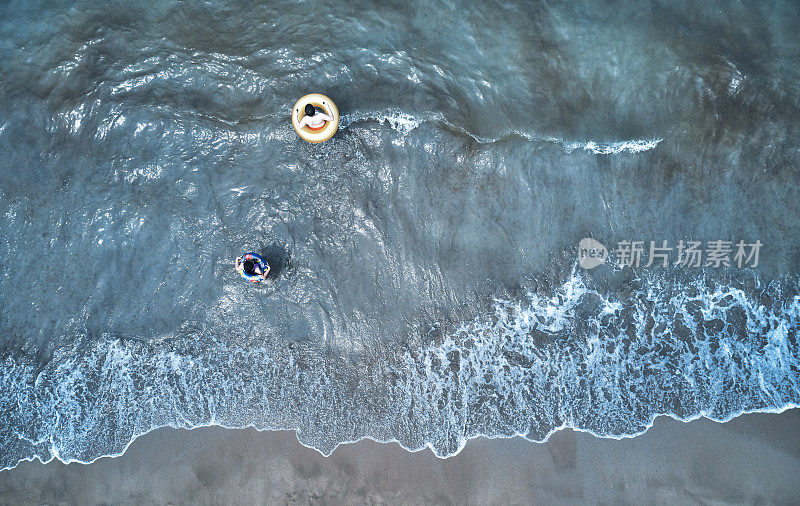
{"type": "Point", "coordinates": [426, 285]}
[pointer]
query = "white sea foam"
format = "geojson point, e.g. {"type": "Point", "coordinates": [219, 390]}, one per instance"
{"type": "Point", "coordinates": [573, 357]}
{"type": "Point", "coordinates": [405, 123]}
{"type": "Point", "coordinates": [396, 119]}
{"type": "Point", "coordinates": [612, 148]}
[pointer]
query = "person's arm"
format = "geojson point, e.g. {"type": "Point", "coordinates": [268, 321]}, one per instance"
{"type": "Point", "coordinates": [327, 115]}
{"type": "Point", "coordinates": [238, 263]}
{"type": "Point", "coordinates": [304, 121]}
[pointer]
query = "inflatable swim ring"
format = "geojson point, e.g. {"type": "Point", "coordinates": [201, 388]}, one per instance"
{"type": "Point", "coordinates": [258, 260]}
{"type": "Point", "coordinates": [322, 133]}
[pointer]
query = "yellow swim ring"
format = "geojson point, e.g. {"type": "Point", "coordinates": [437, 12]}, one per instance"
{"type": "Point", "coordinates": [323, 133]}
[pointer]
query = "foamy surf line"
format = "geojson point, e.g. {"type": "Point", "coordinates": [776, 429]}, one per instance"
{"type": "Point", "coordinates": [570, 358]}
{"type": "Point", "coordinates": [396, 119]}
{"type": "Point", "coordinates": [405, 123]}
{"type": "Point", "coordinates": [612, 148]}
{"type": "Point", "coordinates": [56, 456]}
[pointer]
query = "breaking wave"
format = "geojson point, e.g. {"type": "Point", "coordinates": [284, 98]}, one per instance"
{"type": "Point", "coordinates": [571, 357]}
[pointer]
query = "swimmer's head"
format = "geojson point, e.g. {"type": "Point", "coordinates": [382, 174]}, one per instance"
{"type": "Point", "coordinates": [249, 267]}
{"type": "Point", "coordinates": [310, 110]}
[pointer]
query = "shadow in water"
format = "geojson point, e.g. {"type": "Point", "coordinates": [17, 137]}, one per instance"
{"type": "Point", "coordinates": [278, 259]}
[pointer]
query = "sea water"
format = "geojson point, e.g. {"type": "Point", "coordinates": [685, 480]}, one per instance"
{"type": "Point", "coordinates": [426, 283]}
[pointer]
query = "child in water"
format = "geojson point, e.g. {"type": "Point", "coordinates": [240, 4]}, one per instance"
{"type": "Point", "coordinates": [313, 120]}
{"type": "Point", "coordinates": [250, 268]}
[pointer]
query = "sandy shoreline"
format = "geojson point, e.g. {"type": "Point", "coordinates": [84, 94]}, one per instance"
{"type": "Point", "coordinates": [752, 459]}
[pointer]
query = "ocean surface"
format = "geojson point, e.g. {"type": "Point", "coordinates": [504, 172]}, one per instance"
{"type": "Point", "coordinates": [426, 283]}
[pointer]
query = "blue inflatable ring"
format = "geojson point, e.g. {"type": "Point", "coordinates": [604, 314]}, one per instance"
{"type": "Point", "coordinates": [258, 260]}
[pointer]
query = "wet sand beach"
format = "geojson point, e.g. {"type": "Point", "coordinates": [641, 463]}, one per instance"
{"type": "Point", "coordinates": [753, 459]}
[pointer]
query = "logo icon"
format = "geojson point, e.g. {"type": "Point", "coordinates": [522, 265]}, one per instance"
{"type": "Point", "coordinates": [591, 253]}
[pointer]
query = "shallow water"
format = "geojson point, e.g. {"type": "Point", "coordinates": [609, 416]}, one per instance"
{"type": "Point", "coordinates": [426, 285]}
